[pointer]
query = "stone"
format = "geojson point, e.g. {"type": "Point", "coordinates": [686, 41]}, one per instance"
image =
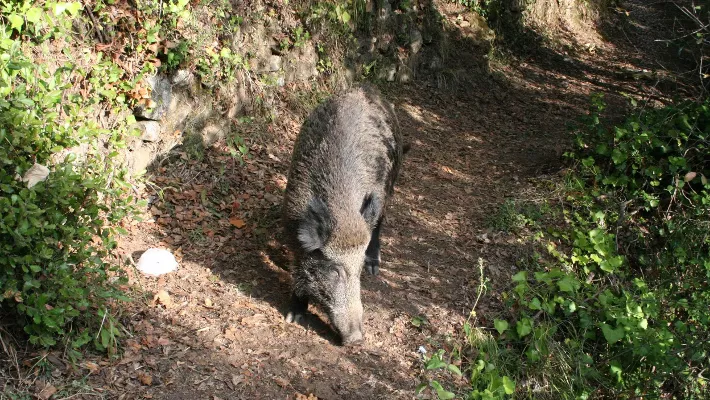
{"type": "Point", "coordinates": [391, 73]}
{"type": "Point", "coordinates": [156, 262]}
{"type": "Point", "coordinates": [350, 75]}
{"type": "Point", "coordinates": [301, 64]}
{"type": "Point", "coordinates": [275, 63]}
{"type": "Point", "coordinates": [150, 131]}
{"type": "Point", "coordinates": [271, 63]}
{"type": "Point", "coordinates": [384, 42]}
{"type": "Point", "coordinates": [385, 11]}
{"type": "Point", "coordinates": [404, 74]}
{"type": "Point", "coordinates": [182, 77]}
{"type": "Point", "coordinates": [416, 41]}
{"type": "Point", "coordinates": [140, 159]}
{"type": "Point", "coordinates": [212, 132]}
{"type": "Point", "coordinates": [161, 94]}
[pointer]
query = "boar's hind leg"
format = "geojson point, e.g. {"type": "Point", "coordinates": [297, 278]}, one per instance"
{"type": "Point", "coordinates": [372, 254]}
{"type": "Point", "coordinates": [299, 305]}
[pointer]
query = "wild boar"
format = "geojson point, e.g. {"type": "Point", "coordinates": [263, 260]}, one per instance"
{"type": "Point", "coordinates": [345, 162]}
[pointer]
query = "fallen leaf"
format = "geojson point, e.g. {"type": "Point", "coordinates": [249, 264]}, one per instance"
{"type": "Point", "coordinates": [145, 379]}
{"type": "Point", "coordinates": [162, 297]}
{"type": "Point", "coordinates": [92, 367]}
{"type": "Point", "coordinates": [281, 382]}
{"type": "Point", "coordinates": [163, 341]}
{"type": "Point", "coordinates": [208, 302]}
{"type": "Point", "coordinates": [690, 175]}
{"type": "Point", "coordinates": [133, 345]}
{"type": "Point", "coordinates": [237, 379]}
{"type": "Point", "coordinates": [239, 223]}
{"type": "Point", "coordinates": [36, 174]}
{"type": "Point", "coordinates": [256, 319]}
{"type": "Point", "coordinates": [46, 392]}
{"type": "Point", "coordinates": [149, 341]}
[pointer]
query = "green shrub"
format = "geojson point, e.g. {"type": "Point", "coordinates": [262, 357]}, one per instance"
{"type": "Point", "coordinates": [614, 301]}
{"type": "Point", "coordinates": [55, 234]}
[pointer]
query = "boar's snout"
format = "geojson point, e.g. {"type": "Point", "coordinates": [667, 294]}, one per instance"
{"type": "Point", "coordinates": [349, 323]}
{"type": "Point", "coordinates": [353, 335]}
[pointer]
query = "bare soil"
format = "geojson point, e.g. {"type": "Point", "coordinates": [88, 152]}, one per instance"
{"type": "Point", "coordinates": [215, 328]}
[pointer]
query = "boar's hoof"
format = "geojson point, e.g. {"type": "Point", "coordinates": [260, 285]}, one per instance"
{"type": "Point", "coordinates": [297, 310]}
{"type": "Point", "coordinates": [294, 317]}
{"type": "Point", "coordinates": [372, 265]}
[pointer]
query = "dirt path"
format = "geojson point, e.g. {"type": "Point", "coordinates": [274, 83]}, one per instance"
{"type": "Point", "coordinates": [218, 332]}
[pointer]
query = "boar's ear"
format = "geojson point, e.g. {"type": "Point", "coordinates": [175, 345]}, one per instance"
{"type": "Point", "coordinates": [316, 226]}
{"type": "Point", "coordinates": [370, 208]}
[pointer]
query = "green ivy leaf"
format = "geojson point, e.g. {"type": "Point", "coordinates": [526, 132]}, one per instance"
{"type": "Point", "coordinates": [16, 22]}
{"type": "Point", "coordinates": [442, 393]}
{"type": "Point", "coordinates": [568, 284]}
{"type": "Point", "coordinates": [611, 264]}
{"type": "Point", "coordinates": [105, 338]}
{"type": "Point", "coordinates": [454, 369]}
{"type": "Point", "coordinates": [612, 335]}
{"type": "Point", "coordinates": [500, 325]}
{"type": "Point", "coordinates": [535, 304]}
{"type": "Point", "coordinates": [74, 8]}
{"type": "Point", "coordinates": [524, 327]}
{"type": "Point", "coordinates": [618, 156]}
{"type": "Point", "coordinates": [615, 368]}
{"type": "Point", "coordinates": [435, 363]}
{"type": "Point", "coordinates": [33, 15]}
{"type": "Point", "coordinates": [508, 385]}
{"type": "Point", "coordinates": [521, 276]}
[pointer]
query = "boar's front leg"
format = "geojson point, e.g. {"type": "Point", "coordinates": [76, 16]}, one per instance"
{"type": "Point", "coordinates": [372, 254]}
{"type": "Point", "coordinates": [298, 308]}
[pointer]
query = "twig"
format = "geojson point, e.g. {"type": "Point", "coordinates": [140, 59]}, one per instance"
{"type": "Point", "coordinates": [102, 324]}
{"type": "Point", "coordinates": [94, 23]}
{"type": "Point", "coordinates": [80, 394]}
{"type": "Point", "coordinates": [10, 351]}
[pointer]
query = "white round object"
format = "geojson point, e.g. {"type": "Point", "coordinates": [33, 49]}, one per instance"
{"type": "Point", "coordinates": [156, 262]}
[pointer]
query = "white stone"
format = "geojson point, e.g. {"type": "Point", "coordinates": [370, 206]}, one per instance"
{"type": "Point", "coordinates": [156, 262]}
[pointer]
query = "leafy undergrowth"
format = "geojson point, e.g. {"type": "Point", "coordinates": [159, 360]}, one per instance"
{"type": "Point", "coordinates": [62, 191]}
{"type": "Point", "coordinates": [613, 300]}
{"type": "Point", "coordinates": [64, 126]}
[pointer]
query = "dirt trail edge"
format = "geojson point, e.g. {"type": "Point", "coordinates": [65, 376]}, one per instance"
{"type": "Point", "coordinates": [215, 328]}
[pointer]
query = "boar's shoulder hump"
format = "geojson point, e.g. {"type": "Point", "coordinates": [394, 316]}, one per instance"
{"type": "Point", "coordinates": [351, 137]}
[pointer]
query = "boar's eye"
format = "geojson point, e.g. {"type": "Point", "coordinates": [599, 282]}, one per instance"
{"type": "Point", "coordinates": [316, 253]}
{"type": "Point", "coordinates": [336, 274]}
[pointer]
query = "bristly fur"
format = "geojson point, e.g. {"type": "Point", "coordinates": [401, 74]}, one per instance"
{"type": "Point", "coordinates": [345, 163]}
